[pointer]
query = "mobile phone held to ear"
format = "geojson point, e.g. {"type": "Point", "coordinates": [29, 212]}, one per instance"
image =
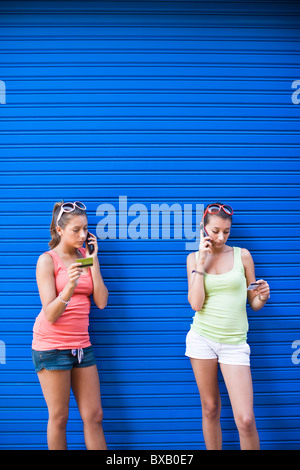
{"type": "Point", "coordinates": [89, 245]}
{"type": "Point", "coordinates": [205, 234]}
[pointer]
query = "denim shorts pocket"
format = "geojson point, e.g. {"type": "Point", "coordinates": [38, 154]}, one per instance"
{"type": "Point", "coordinates": [47, 355]}
{"type": "Point", "coordinates": [42, 358]}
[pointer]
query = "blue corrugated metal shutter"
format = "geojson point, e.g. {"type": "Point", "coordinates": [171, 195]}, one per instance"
{"type": "Point", "coordinates": [162, 102]}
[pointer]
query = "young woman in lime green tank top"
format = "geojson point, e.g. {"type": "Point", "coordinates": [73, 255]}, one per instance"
{"type": "Point", "coordinates": [218, 276]}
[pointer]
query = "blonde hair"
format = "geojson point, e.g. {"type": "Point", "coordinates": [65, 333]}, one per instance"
{"type": "Point", "coordinates": [63, 222]}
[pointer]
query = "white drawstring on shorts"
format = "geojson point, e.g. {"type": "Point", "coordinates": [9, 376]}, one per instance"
{"type": "Point", "coordinates": [79, 353]}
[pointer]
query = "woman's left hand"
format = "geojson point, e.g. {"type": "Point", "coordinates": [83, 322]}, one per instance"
{"type": "Point", "coordinates": [91, 240]}
{"type": "Point", "coordinates": [263, 290]}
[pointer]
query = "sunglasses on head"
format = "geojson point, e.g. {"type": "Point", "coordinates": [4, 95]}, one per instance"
{"type": "Point", "coordinates": [214, 209]}
{"type": "Point", "coordinates": [70, 207]}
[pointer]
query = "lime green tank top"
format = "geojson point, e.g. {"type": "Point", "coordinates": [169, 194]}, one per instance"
{"type": "Point", "coordinates": [223, 317]}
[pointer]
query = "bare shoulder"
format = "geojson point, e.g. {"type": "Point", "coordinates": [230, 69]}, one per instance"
{"type": "Point", "coordinates": [246, 253]}
{"type": "Point", "coordinates": [191, 258]}
{"type": "Point", "coordinates": [246, 257]}
{"type": "Point", "coordinates": [45, 262]}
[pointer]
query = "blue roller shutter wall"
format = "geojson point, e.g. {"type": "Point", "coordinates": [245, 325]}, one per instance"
{"type": "Point", "coordinates": [162, 102]}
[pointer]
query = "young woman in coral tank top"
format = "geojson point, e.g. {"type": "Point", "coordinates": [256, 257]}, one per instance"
{"type": "Point", "coordinates": [61, 349]}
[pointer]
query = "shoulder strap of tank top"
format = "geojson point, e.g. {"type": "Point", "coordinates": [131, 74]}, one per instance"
{"type": "Point", "coordinates": [56, 260]}
{"type": "Point", "coordinates": [238, 263]}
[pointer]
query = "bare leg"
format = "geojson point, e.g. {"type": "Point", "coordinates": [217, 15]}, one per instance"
{"type": "Point", "coordinates": [56, 389]}
{"type": "Point", "coordinates": [86, 388]}
{"type": "Point", "coordinates": [238, 381]}
{"type": "Point", "coordinates": [206, 375]}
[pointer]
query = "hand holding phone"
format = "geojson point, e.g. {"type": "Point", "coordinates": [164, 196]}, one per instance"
{"type": "Point", "coordinates": [90, 246]}
{"type": "Point", "coordinates": [205, 244]}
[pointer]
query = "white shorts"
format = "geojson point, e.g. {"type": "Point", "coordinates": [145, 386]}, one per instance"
{"type": "Point", "coordinates": [198, 347]}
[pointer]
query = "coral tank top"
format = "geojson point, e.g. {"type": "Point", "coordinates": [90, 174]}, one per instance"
{"type": "Point", "coordinates": [70, 331]}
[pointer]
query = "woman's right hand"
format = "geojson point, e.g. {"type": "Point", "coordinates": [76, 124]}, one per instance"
{"type": "Point", "coordinates": [74, 272]}
{"type": "Point", "coordinates": [204, 248]}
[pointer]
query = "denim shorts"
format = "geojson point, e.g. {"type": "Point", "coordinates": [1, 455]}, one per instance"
{"type": "Point", "coordinates": [63, 359]}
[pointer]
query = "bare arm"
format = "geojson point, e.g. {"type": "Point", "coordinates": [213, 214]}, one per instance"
{"type": "Point", "coordinates": [196, 291]}
{"type": "Point", "coordinates": [100, 292]}
{"type": "Point", "coordinates": [262, 291]}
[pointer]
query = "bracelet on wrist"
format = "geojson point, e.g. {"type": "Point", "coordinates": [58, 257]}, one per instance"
{"type": "Point", "coordinates": [198, 272]}
{"type": "Point", "coordinates": [62, 300]}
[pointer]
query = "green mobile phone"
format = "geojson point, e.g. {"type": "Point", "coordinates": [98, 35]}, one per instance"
{"type": "Point", "coordinates": [86, 262]}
